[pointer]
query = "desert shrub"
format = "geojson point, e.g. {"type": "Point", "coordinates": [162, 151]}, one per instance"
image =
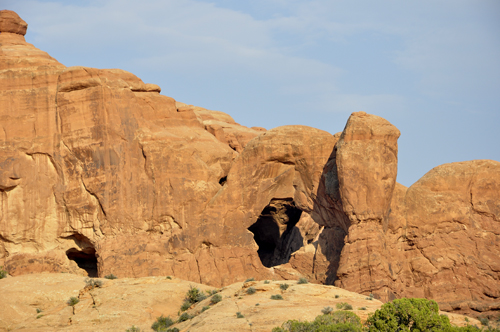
{"type": "Point", "coordinates": [162, 323]}
{"type": "Point", "coordinates": [73, 301]}
{"type": "Point", "coordinates": [284, 286]}
{"type": "Point", "coordinates": [276, 297]}
{"type": "Point", "coordinates": [484, 321]}
{"type": "Point", "coordinates": [194, 295]}
{"type": "Point", "coordinates": [327, 310]}
{"type": "Point", "coordinates": [302, 281]}
{"type": "Point", "coordinates": [266, 281]}
{"type": "Point", "coordinates": [38, 310]}
{"type": "Point", "coordinates": [409, 315]}
{"type": "Point", "coordinates": [239, 315]}
{"type": "Point", "coordinates": [184, 317]}
{"type": "Point", "coordinates": [251, 290]}
{"type": "Point", "coordinates": [211, 292]}
{"type": "Point", "coordinates": [205, 308]}
{"type": "Point", "coordinates": [111, 276]}
{"type": "Point", "coordinates": [186, 305]}
{"type": "Point", "coordinates": [250, 279]}
{"type": "Point", "coordinates": [344, 321]}
{"type": "Point", "coordinates": [93, 283]}
{"type": "Point", "coordinates": [337, 296]}
{"type": "Point", "coordinates": [344, 306]}
{"type": "Point", "coordinates": [362, 308]}
{"type": "Point", "coordinates": [216, 299]}
{"type": "Point", "coordinates": [3, 273]}
{"type": "Point", "coordinates": [337, 317]}
{"type": "Point", "coordinates": [133, 329]}
{"type": "Point", "coordinates": [39, 316]}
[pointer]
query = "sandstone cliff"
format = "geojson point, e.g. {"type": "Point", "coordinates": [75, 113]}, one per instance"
{"type": "Point", "coordinates": [100, 173]}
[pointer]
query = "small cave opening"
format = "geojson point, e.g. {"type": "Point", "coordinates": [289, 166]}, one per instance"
{"type": "Point", "coordinates": [275, 232]}
{"type": "Point", "coordinates": [223, 180]}
{"type": "Point", "coordinates": [85, 256]}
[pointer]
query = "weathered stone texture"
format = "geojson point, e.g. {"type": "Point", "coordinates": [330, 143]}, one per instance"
{"type": "Point", "coordinates": [100, 173]}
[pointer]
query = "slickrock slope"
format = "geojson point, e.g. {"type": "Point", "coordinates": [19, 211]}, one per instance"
{"type": "Point", "coordinates": [121, 303]}
{"type": "Point", "coordinates": [100, 174]}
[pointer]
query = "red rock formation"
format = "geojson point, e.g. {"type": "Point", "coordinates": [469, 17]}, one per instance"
{"type": "Point", "coordinates": [100, 173]}
{"type": "Point", "coordinates": [100, 167]}
{"type": "Point", "coordinates": [438, 239]}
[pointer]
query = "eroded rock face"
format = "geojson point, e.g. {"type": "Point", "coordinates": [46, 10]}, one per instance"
{"type": "Point", "coordinates": [10, 22]}
{"type": "Point", "coordinates": [100, 174]}
{"type": "Point", "coordinates": [437, 239]}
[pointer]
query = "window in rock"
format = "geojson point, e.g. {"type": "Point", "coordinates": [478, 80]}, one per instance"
{"type": "Point", "coordinates": [275, 232]}
{"type": "Point", "coordinates": [85, 257]}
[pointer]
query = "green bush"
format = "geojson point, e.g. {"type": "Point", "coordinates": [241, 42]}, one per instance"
{"type": "Point", "coordinates": [484, 321]}
{"type": "Point", "coordinates": [3, 273]}
{"type": "Point", "coordinates": [344, 306]}
{"type": "Point", "coordinates": [205, 308]}
{"type": "Point", "coordinates": [194, 295]}
{"type": "Point", "coordinates": [239, 315]}
{"type": "Point", "coordinates": [93, 283]}
{"type": "Point", "coordinates": [133, 329]}
{"type": "Point", "coordinates": [337, 317]}
{"type": "Point", "coordinates": [38, 310]}
{"type": "Point", "coordinates": [284, 286]}
{"type": "Point", "coordinates": [327, 310]}
{"type": "Point", "coordinates": [186, 305]}
{"type": "Point", "coordinates": [216, 299]}
{"type": "Point", "coordinates": [211, 292]}
{"type": "Point", "coordinates": [302, 281]}
{"type": "Point", "coordinates": [162, 323]}
{"type": "Point", "coordinates": [73, 301]}
{"type": "Point", "coordinates": [250, 279]}
{"type": "Point", "coordinates": [111, 276]}
{"type": "Point", "coordinates": [337, 296]}
{"type": "Point", "coordinates": [276, 297]}
{"type": "Point", "coordinates": [185, 316]}
{"type": "Point", "coordinates": [266, 281]}
{"type": "Point", "coordinates": [409, 315]}
{"type": "Point", "coordinates": [339, 321]}
{"type": "Point", "coordinates": [251, 290]}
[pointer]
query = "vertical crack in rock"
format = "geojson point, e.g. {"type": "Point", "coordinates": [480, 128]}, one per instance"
{"type": "Point", "coordinates": [275, 232]}
{"type": "Point", "coordinates": [95, 196]}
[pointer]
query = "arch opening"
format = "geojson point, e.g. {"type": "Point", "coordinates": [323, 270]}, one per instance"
{"type": "Point", "coordinates": [275, 232]}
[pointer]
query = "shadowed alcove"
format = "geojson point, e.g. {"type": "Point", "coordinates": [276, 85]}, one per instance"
{"type": "Point", "coordinates": [85, 256]}
{"type": "Point", "coordinates": [275, 232]}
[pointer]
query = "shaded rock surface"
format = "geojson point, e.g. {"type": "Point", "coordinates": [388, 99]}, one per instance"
{"type": "Point", "coordinates": [100, 174]}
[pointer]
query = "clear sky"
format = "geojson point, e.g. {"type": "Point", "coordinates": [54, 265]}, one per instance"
{"type": "Point", "coordinates": [430, 67]}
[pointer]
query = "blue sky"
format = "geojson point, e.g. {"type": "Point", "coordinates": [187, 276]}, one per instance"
{"type": "Point", "coordinates": [430, 67]}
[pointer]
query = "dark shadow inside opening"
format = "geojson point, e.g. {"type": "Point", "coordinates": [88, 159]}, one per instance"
{"type": "Point", "coordinates": [86, 259]}
{"type": "Point", "coordinates": [275, 232]}
{"type": "Point", "coordinates": [223, 180]}
{"type": "Point", "coordinates": [84, 254]}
